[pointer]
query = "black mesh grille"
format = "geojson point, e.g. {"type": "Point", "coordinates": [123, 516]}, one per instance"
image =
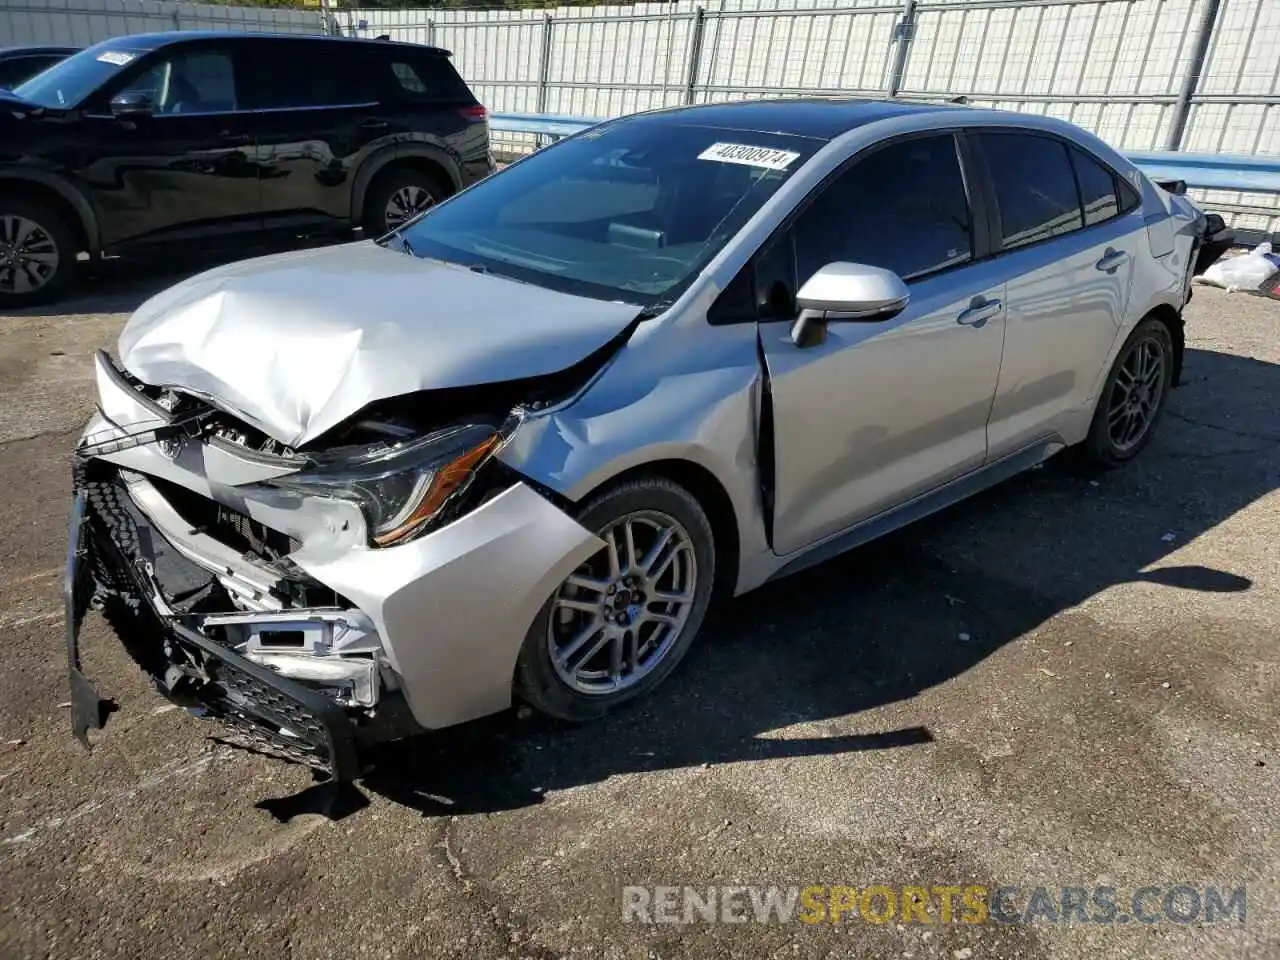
{"type": "Point", "coordinates": [239, 532]}
{"type": "Point", "coordinates": [265, 712]}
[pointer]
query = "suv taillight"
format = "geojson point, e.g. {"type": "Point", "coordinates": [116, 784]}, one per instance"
{"type": "Point", "coordinates": [475, 112]}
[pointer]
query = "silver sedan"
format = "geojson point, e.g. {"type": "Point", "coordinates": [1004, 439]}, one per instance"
{"type": "Point", "coordinates": [517, 448]}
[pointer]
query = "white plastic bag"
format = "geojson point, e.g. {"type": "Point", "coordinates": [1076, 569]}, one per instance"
{"type": "Point", "coordinates": [1248, 271]}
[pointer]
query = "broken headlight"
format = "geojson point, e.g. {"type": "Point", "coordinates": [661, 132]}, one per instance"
{"type": "Point", "coordinates": [401, 488]}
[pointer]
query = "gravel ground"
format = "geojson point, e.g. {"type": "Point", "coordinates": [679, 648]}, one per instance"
{"type": "Point", "coordinates": [1069, 681]}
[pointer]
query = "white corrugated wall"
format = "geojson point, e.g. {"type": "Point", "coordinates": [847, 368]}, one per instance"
{"type": "Point", "coordinates": [1112, 66]}
{"type": "Point", "coordinates": [83, 22]}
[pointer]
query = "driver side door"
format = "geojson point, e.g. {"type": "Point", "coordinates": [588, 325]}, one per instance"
{"type": "Point", "coordinates": [884, 410]}
{"type": "Point", "coordinates": [184, 172]}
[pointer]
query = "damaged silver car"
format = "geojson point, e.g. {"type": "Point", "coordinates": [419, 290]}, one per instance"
{"type": "Point", "coordinates": [514, 450]}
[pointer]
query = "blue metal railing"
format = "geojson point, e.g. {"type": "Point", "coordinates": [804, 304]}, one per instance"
{"type": "Point", "coordinates": [1210, 171]}
{"type": "Point", "coordinates": [544, 124]}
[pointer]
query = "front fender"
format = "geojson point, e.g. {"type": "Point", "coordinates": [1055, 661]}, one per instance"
{"type": "Point", "coordinates": [674, 393]}
{"type": "Point", "coordinates": [19, 174]}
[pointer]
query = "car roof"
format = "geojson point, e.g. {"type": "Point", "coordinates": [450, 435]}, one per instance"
{"type": "Point", "coordinates": [153, 41]}
{"type": "Point", "coordinates": [822, 118]}
{"type": "Point", "coordinates": [35, 50]}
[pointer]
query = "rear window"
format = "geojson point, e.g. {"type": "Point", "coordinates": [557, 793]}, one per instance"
{"type": "Point", "coordinates": [1098, 188]}
{"type": "Point", "coordinates": [422, 76]}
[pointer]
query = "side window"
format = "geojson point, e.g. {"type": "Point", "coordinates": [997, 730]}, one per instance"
{"type": "Point", "coordinates": [410, 81]}
{"type": "Point", "coordinates": [1099, 190]}
{"type": "Point", "coordinates": [284, 74]}
{"type": "Point", "coordinates": [1129, 197]}
{"type": "Point", "coordinates": [188, 81]}
{"type": "Point", "coordinates": [903, 207]}
{"type": "Point", "coordinates": [413, 76]}
{"type": "Point", "coordinates": [1035, 187]}
{"type": "Point", "coordinates": [13, 72]}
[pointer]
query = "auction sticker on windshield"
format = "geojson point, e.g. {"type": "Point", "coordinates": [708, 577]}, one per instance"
{"type": "Point", "coordinates": [767, 157]}
{"type": "Point", "coordinates": [117, 58]}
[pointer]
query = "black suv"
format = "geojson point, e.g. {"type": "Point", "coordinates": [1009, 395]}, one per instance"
{"type": "Point", "coordinates": [141, 143]}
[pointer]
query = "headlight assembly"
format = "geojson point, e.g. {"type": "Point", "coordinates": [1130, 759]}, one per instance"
{"type": "Point", "coordinates": [402, 488]}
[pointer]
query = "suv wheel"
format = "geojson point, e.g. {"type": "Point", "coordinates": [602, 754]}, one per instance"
{"type": "Point", "coordinates": [621, 622]}
{"type": "Point", "coordinates": [396, 198]}
{"type": "Point", "coordinates": [37, 253]}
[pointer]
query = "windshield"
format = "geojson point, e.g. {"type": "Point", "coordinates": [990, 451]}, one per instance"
{"type": "Point", "coordinates": [65, 84]}
{"type": "Point", "coordinates": [631, 211]}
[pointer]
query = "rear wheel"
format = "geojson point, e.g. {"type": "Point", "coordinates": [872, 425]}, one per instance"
{"type": "Point", "coordinates": [1134, 396]}
{"type": "Point", "coordinates": [37, 253]}
{"type": "Point", "coordinates": [621, 622]}
{"type": "Point", "coordinates": [398, 196]}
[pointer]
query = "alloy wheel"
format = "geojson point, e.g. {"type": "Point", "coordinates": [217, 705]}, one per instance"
{"type": "Point", "coordinates": [618, 616]}
{"type": "Point", "coordinates": [28, 255]}
{"type": "Point", "coordinates": [405, 204]}
{"type": "Point", "coordinates": [1137, 393]}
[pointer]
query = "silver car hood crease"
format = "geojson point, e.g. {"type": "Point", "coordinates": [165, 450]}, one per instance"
{"type": "Point", "coordinates": [296, 343]}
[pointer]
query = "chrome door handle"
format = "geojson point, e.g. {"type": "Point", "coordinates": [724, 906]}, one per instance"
{"type": "Point", "coordinates": [1111, 260]}
{"type": "Point", "coordinates": [977, 315]}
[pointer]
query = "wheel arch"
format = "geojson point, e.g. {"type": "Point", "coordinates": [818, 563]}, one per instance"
{"type": "Point", "coordinates": [1174, 323]}
{"type": "Point", "coordinates": [705, 487]}
{"type": "Point", "coordinates": [62, 197]}
{"type": "Point", "coordinates": [414, 156]}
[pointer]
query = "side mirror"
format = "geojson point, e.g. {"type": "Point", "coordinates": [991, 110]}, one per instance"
{"type": "Point", "coordinates": [132, 104]}
{"type": "Point", "coordinates": [846, 291]}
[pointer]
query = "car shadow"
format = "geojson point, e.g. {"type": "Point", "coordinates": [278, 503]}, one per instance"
{"type": "Point", "coordinates": [887, 621]}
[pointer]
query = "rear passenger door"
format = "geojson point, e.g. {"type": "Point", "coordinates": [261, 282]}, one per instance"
{"type": "Point", "coordinates": [314, 122]}
{"type": "Point", "coordinates": [1067, 231]}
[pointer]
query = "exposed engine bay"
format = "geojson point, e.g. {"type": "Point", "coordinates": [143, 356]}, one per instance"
{"type": "Point", "coordinates": [200, 536]}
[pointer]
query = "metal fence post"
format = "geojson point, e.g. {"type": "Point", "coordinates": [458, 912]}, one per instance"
{"type": "Point", "coordinates": [431, 32]}
{"type": "Point", "coordinates": [1182, 106]}
{"type": "Point", "coordinates": [904, 31]}
{"type": "Point", "coordinates": [544, 64]}
{"type": "Point", "coordinates": [695, 53]}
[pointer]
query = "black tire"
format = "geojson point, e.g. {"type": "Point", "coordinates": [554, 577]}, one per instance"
{"type": "Point", "coordinates": [1102, 447]}
{"type": "Point", "coordinates": [54, 233]}
{"type": "Point", "coordinates": [537, 681]}
{"type": "Point", "coordinates": [386, 186]}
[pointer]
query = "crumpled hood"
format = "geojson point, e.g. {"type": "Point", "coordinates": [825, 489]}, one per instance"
{"type": "Point", "coordinates": [297, 342]}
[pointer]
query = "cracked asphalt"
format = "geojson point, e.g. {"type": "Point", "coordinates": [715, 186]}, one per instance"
{"type": "Point", "coordinates": [1070, 680]}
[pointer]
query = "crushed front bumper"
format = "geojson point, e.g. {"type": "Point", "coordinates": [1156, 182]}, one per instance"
{"type": "Point", "coordinates": [263, 710]}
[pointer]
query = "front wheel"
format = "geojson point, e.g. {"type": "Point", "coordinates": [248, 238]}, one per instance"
{"type": "Point", "coordinates": [1133, 397]}
{"type": "Point", "coordinates": [620, 623]}
{"type": "Point", "coordinates": [37, 253]}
